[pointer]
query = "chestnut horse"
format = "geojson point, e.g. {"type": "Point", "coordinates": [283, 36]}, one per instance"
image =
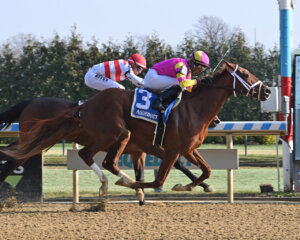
{"type": "Point", "coordinates": [106, 118]}
{"type": "Point", "coordinates": [28, 111]}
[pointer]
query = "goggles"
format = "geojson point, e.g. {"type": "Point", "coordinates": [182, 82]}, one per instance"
{"type": "Point", "coordinates": [199, 66]}
{"type": "Point", "coordinates": [139, 68]}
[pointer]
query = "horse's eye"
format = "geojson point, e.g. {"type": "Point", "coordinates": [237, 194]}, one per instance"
{"type": "Point", "coordinates": [245, 75]}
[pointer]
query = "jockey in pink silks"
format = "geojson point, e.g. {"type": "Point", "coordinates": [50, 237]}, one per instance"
{"type": "Point", "coordinates": [170, 77]}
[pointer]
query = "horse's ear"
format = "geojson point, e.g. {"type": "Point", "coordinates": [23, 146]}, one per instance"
{"type": "Point", "coordinates": [229, 65]}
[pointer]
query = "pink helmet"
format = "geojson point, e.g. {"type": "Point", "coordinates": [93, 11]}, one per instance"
{"type": "Point", "coordinates": [200, 57]}
{"type": "Point", "coordinates": [138, 59]}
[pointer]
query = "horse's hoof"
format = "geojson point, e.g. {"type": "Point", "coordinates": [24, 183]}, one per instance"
{"type": "Point", "coordinates": [177, 187]}
{"type": "Point", "coordinates": [125, 181]}
{"type": "Point", "coordinates": [104, 188]}
{"type": "Point", "coordinates": [209, 189]}
{"type": "Point", "coordinates": [142, 203]}
{"type": "Point", "coordinates": [102, 191]}
{"type": "Point", "coordinates": [120, 182]}
{"type": "Point", "coordinates": [140, 195]}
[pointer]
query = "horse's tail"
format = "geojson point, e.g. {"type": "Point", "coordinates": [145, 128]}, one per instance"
{"type": "Point", "coordinates": [13, 113]}
{"type": "Point", "coordinates": [44, 134]}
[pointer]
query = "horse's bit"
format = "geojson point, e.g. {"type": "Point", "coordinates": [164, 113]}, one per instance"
{"type": "Point", "coordinates": [246, 85]}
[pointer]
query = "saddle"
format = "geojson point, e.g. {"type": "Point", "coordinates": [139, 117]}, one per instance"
{"type": "Point", "coordinates": [141, 108]}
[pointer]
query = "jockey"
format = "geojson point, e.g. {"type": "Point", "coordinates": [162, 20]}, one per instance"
{"type": "Point", "coordinates": [107, 74]}
{"type": "Point", "coordinates": [172, 76]}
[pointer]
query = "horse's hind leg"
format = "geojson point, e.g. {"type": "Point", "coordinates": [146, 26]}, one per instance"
{"type": "Point", "coordinates": [179, 165]}
{"type": "Point", "coordinates": [163, 171]}
{"type": "Point", "coordinates": [139, 166]}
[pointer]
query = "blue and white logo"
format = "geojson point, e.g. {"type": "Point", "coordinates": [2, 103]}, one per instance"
{"type": "Point", "coordinates": [141, 106]}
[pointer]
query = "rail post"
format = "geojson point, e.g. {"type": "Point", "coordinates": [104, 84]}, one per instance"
{"type": "Point", "coordinates": [229, 143]}
{"type": "Point", "coordinates": [75, 181]}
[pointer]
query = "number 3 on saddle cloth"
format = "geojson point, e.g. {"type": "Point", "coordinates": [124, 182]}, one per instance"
{"type": "Point", "coordinates": [141, 108]}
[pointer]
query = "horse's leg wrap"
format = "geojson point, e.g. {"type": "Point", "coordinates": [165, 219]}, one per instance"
{"type": "Point", "coordinates": [103, 179]}
{"type": "Point", "coordinates": [104, 187]}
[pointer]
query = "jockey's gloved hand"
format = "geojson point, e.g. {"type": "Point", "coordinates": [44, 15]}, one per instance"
{"type": "Point", "coordinates": [129, 71]}
{"type": "Point", "coordinates": [140, 85]}
{"type": "Point", "coordinates": [207, 81]}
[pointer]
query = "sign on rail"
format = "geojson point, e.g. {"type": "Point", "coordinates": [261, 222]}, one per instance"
{"type": "Point", "coordinates": [26, 179]}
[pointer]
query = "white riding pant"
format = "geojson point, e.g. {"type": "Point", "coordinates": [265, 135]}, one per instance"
{"type": "Point", "coordinates": [100, 82]}
{"type": "Point", "coordinates": [158, 83]}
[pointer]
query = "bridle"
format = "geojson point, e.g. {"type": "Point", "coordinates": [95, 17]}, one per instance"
{"type": "Point", "coordinates": [248, 89]}
{"type": "Point", "coordinates": [246, 85]}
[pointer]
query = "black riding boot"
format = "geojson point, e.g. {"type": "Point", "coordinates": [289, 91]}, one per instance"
{"type": "Point", "coordinates": [166, 97]}
{"type": "Point", "coordinates": [214, 122]}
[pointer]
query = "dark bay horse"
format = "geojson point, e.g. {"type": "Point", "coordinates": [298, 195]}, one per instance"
{"type": "Point", "coordinates": [28, 111]}
{"type": "Point", "coordinates": [107, 121]}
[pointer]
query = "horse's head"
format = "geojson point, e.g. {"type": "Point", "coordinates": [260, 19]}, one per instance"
{"type": "Point", "coordinates": [245, 83]}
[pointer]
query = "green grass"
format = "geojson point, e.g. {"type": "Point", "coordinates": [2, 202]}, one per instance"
{"type": "Point", "coordinates": [255, 153]}
{"type": "Point", "coordinates": [57, 182]}
{"type": "Point", "coordinates": [242, 147]}
{"type": "Point", "coordinates": [259, 159]}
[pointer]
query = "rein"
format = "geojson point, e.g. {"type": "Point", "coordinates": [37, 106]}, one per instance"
{"type": "Point", "coordinates": [247, 86]}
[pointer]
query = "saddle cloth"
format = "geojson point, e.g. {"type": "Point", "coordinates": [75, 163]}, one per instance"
{"type": "Point", "coordinates": [141, 108]}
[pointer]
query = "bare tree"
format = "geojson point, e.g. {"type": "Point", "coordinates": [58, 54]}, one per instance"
{"type": "Point", "coordinates": [212, 30]}
{"type": "Point", "coordinates": [17, 43]}
{"type": "Point", "coordinates": [213, 36]}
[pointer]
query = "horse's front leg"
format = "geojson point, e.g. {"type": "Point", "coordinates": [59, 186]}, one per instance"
{"type": "Point", "coordinates": [111, 159]}
{"type": "Point", "coordinates": [180, 166]}
{"type": "Point", "coordinates": [195, 158]}
{"type": "Point", "coordinates": [87, 157]}
{"type": "Point", "coordinates": [163, 171]}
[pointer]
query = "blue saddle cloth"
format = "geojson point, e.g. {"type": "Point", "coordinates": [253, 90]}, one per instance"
{"type": "Point", "coordinates": [141, 106]}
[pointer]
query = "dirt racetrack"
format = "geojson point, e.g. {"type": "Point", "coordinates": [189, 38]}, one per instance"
{"type": "Point", "coordinates": [152, 221]}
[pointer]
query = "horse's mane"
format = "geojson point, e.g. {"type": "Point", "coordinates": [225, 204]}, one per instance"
{"type": "Point", "coordinates": [220, 72]}
{"type": "Point", "coordinates": [200, 87]}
